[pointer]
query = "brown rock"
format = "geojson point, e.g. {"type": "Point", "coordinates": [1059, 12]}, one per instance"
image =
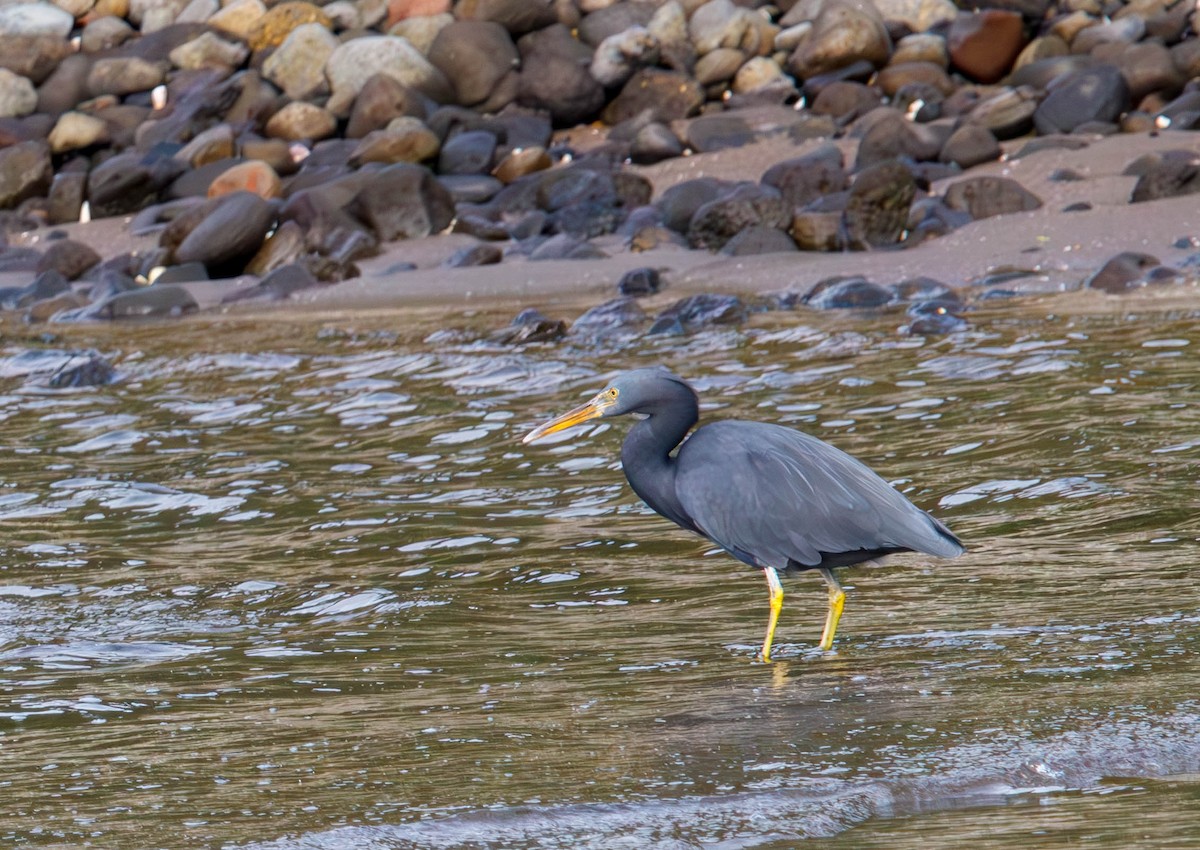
{"type": "Point", "coordinates": [522, 162]}
{"type": "Point", "coordinates": [277, 24]}
{"type": "Point", "coordinates": [984, 44]}
{"type": "Point", "coordinates": [300, 120]}
{"type": "Point", "coordinates": [252, 176]}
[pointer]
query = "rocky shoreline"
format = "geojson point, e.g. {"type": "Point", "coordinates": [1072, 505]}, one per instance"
{"type": "Point", "coordinates": [159, 157]}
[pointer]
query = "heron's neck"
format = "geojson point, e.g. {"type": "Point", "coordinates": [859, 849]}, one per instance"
{"type": "Point", "coordinates": [646, 452]}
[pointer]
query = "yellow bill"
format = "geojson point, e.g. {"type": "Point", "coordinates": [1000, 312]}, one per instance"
{"type": "Point", "coordinates": [592, 410]}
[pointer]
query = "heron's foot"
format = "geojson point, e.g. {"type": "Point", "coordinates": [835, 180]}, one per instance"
{"type": "Point", "coordinates": [837, 600]}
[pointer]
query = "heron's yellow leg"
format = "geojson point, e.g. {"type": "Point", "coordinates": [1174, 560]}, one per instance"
{"type": "Point", "coordinates": [776, 591]}
{"type": "Point", "coordinates": [837, 599]}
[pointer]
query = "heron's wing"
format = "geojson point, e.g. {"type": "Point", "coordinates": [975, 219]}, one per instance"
{"type": "Point", "coordinates": [771, 495]}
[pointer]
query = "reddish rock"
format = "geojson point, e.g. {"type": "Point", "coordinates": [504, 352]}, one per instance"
{"type": "Point", "coordinates": [399, 10]}
{"type": "Point", "coordinates": [252, 176]}
{"type": "Point", "coordinates": [983, 45]}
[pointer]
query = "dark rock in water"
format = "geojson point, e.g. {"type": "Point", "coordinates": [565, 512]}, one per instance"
{"type": "Point", "coordinates": [94, 372]}
{"type": "Point", "coordinates": [698, 311]}
{"type": "Point", "coordinates": [662, 95]}
{"type": "Point", "coordinates": [69, 258]}
{"type": "Point", "coordinates": [46, 285]}
{"type": "Point", "coordinates": [877, 208]}
{"type": "Point", "coordinates": [483, 254]}
{"type": "Point", "coordinates": [983, 197]}
{"type": "Point", "coordinates": [640, 282]}
{"type": "Point", "coordinates": [847, 293]}
{"type": "Point", "coordinates": [566, 247]}
{"type": "Point", "coordinates": [129, 181]}
{"type": "Point", "coordinates": [25, 172]}
{"type": "Point", "coordinates": [530, 326]}
{"type": "Point", "coordinates": [404, 202]}
{"type": "Point", "coordinates": [555, 76]}
{"type": "Point", "coordinates": [1169, 177]}
{"type": "Point", "coordinates": [620, 314]}
{"type": "Point", "coordinates": [937, 306]}
{"type": "Point", "coordinates": [804, 179]}
{"type": "Point", "coordinates": [15, 259]}
{"type": "Point", "coordinates": [1127, 270]}
{"type": "Point", "coordinates": [757, 239]}
{"type": "Point", "coordinates": [276, 286]}
{"type": "Point", "coordinates": [232, 233]}
{"type": "Point", "coordinates": [471, 152]}
{"type": "Point", "coordinates": [1094, 94]}
{"type": "Point", "coordinates": [937, 324]}
{"type": "Point", "coordinates": [923, 290]}
{"type": "Point", "coordinates": [719, 220]}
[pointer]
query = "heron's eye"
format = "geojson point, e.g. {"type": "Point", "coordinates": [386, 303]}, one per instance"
{"type": "Point", "coordinates": [612, 393]}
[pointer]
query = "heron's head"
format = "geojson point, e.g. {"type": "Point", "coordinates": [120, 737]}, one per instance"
{"type": "Point", "coordinates": [638, 391]}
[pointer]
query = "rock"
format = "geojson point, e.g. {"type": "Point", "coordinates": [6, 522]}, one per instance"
{"type": "Point", "coordinates": [516, 16]}
{"type": "Point", "coordinates": [354, 62]}
{"type": "Point", "coordinates": [405, 140]}
{"type": "Point", "coordinates": [95, 371]}
{"type": "Point", "coordinates": [475, 56]}
{"type": "Point", "coordinates": [640, 282]}
{"type": "Point", "coordinates": [970, 145]}
{"type": "Point", "coordinates": [521, 163]}
{"type": "Point", "coordinates": [757, 239]}
{"type": "Point", "coordinates": [760, 73]}
{"type": "Point", "coordinates": [298, 65]}
{"type": "Point", "coordinates": [467, 153]}
{"type": "Point", "coordinates": [877, 208]}
{"type": "Point", "coordinates": [1090, 95]}
{"type": "Point", "coordinates": [843, 33]}
{"type": "Point", "coordinates": [239, 18]}
{"type": "Point", "coordinates": [35, 20]}
{"type": "Point", "coordinates": [1125, 271]}
{"type": "Point", "coordinates": [68, 258]}
{"type": "Point", "coordinates": [890, 136]}
{"type": "Point", "coordinates": [1007, 114]}
{"type": "Point", "coordinates": [145, 302]}
{"type": "Point", "coordinates": [530, 326]}
{"type": "Point", "coordinates": [48, 284]}
{"type": "Point", "coordinates": [846, 100]}
{"type": "Point", "coordinates": [657, 94]}
{"type": "Point", "coordinates": [555, 77]}
{"type": "Point", "coordinates": [698, 311]}
{"type": "Point", "coordinates": [719, 220]}
{"type": "Point", "coordinates": [404, 202]}
{"type": "Point", "coordinates": [483, 254]}
{"type": "Point", "coordinates": [209, 51]}
{"type": "Point", "coordinates": [105, 33]}
{"type": "Point", "coordinates": [983, 197]}
{"type": "Point", "coordinates": [13, 259]}
{"type": "Point", "coordinates": [301, 120]}
{"type": "Point", "coordinates": [252, 176]}
{"type": "Point", "coordinates": [619, 314]}
{"type": "Point", "coordinates": [229, 235]}
{"type": "Point", "coordinates": [122, 76]}
{"type": "Point", "coordinates": [184, 273]}
{"type": "Point", "coordinates": [75, 131]}
{"type": "Point", "coordinates": [680, 202]}
{"type": "Point", "coordinates": [714, 132]}
{"type": "Point", "coordinates": [847, 293]}
{"type": "Point", "coordinates": [281, 248]}
{"type": "Point", "coordinates": [612, 18]}
{"type": "Point", "coordinates": [281, 20]}
{"type": "Point", "coordinates": [718, 67]}
{"type": "Point", "coordinates": [984, 44]}
{"type": "Point", "coordinates": [381, 100]}
{"type": "Point", "coordinates": [814, 230]}
{"type": "Point", "coordinates": [280, 284]}
{"type": "Point", "coordinates": [25, 171]}
{"type": "Point", "coordinates": [66, 196]}
{"type": "Point", "coordinates": [17, 95]}
{"type": "Point", "coordinates": [806, 178]}
{"type": "Point", "coordinates": [621, 54]}
{"type": "Point", "coordinates": [1166, 176]}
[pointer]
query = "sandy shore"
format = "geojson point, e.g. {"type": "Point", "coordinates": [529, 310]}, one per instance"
{"type": "Point", "coordinates": [1063, 248]}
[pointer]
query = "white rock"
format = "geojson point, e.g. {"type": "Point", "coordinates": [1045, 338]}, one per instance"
{"type": "Point", "coordinates": [298, 65]}
{"type": "Point", "coordinates": [353, 63]}
{"type": "Point", "coordinates": [76, 130]}
{"type": "Point", "coordinates": [17, 95]}
{"type": "Point", "coordinates": [35, 19]}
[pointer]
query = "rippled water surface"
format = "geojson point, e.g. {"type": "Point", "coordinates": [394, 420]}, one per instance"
{"type": "Point", "coordinates": [293, 583]}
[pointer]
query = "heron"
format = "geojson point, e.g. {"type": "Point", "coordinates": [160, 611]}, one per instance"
{"type": "Point", "coordinates": [773, 497]}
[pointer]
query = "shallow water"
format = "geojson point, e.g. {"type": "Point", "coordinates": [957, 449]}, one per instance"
{"type": "Point", "coordinates": [297, 584]}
